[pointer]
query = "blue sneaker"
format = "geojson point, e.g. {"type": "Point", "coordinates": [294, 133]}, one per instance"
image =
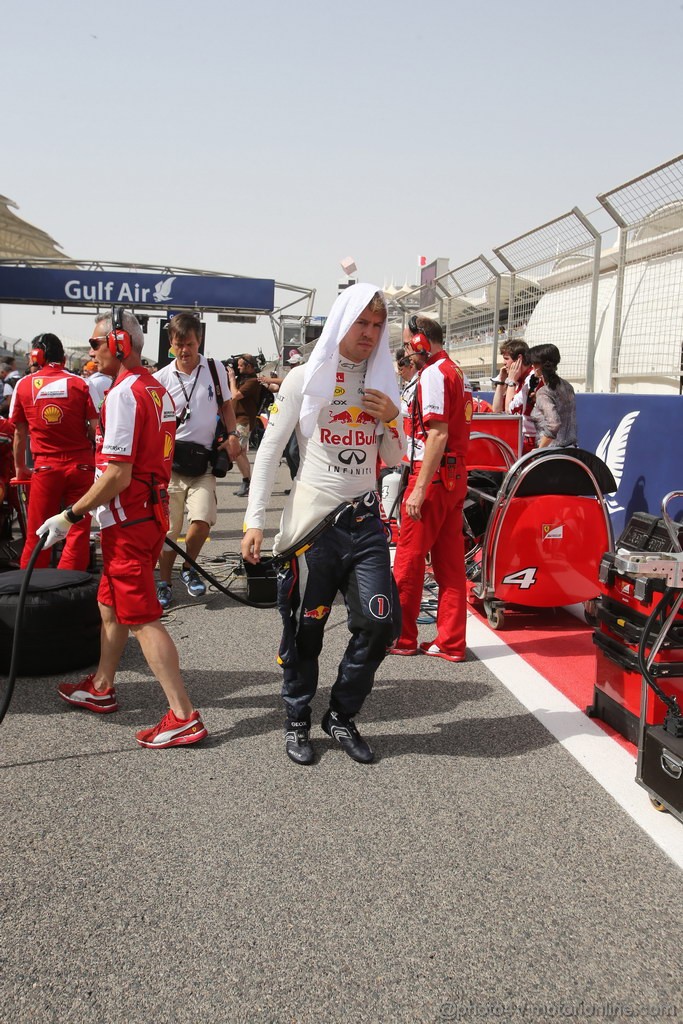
{"type": "Point", "coordinates": [195, 586]}
{"type": "Point", "coordinates": [164, 594]}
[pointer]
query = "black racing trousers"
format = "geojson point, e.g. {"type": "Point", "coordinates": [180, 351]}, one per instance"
{"type": "Point", "coordinates": [352, 557]}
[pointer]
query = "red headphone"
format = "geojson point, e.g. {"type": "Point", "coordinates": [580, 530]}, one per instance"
{"type": "Point", "coordinates": [419, 341]}
{"type": "Point", "coordinates": [46, 348]}
{"type": "Point", "coordinates": [119, 340]}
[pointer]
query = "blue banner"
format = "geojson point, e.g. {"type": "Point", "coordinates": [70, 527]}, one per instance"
{"type": "Point", "coordinates": [640, 437]}
{"type": "Point", "coordinates": [75, 287]}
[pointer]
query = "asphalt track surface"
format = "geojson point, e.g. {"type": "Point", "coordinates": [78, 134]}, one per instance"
{"type": "Point", "coordinates": [475, 872]}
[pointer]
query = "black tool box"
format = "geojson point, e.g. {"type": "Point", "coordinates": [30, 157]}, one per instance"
{"type": "Point", "coordinates": [660, 769]}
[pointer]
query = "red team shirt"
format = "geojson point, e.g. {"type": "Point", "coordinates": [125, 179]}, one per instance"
{"type": "Point", "coordinates": [137, 425]}
{"type": "Point", "coordinates": [441, 396]}
{"type": "Point", "coordinates": [56, 405]}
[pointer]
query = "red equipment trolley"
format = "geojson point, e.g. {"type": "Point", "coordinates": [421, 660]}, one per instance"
{"type": "Point", "coordinates": [547, 532]}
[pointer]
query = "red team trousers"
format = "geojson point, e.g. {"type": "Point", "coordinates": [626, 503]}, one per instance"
{"type": "Point", "coordinates": [439, 531]}
{"type": "Point", "coordinates": [58, 480]}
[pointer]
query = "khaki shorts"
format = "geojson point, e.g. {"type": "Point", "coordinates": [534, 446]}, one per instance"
{"type": "Point", "coordinates": [197, 495]}
{"type": "Point", "coordinates": [243, 432]}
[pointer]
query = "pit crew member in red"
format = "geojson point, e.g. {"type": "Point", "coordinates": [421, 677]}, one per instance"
{"type": "Point", "coordinates": [134, 456]}
{"type": "Point", "coordinates": [53, 408]}
{"type": "Point", "coordinates": [431, 514]}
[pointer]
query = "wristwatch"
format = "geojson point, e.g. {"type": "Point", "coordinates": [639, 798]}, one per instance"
{"type": "Point", "coordinates": [233, 433]}
{"type": "Point", "coordinates": [73, 517]}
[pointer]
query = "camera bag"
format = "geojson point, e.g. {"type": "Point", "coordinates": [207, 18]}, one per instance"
{"type": "Point", "coordinates": [190, 459]}
{"type": "Point", "coordinates": [221, 464]}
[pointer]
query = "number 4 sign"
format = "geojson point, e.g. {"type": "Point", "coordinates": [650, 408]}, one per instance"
{"type": "Point", "coordinates": [524, 579]}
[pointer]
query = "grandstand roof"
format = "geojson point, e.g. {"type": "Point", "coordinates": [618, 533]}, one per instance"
{"type": "Point", "coordinates": [18, 238]}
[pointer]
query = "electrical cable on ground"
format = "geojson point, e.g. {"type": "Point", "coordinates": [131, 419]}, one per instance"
{"type": "Point", "coordinates": [7, 696]}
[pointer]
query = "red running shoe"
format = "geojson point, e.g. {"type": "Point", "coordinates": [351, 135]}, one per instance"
{"type": "Point", "coordinates": [84, 695]}
{"type": "Point", "coordinates": [173, 732]}
{"type": "Point", "coordinates": [435, 652]}
{"type": "Point", "coordinates": [405, 652]}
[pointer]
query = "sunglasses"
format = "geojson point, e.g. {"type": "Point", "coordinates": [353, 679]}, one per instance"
{"type": "Point", "coordinates": [96, 342]}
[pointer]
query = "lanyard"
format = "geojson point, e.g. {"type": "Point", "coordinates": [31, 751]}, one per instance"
{"type": "Point", "coordinates": [416, 409]}
{"type": "Point", "coordinates": [188, 398]}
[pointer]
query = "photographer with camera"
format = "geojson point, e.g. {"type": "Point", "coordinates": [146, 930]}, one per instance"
{"type": "Point", "coordinates": [246, 392]}
{"type": "Point", "coordinates": [198, 387]}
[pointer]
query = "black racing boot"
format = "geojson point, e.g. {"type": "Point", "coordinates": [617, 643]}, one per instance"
{"type": "Point", "coordinates": [344, 731]}
{"type": "Point", "coordinates": [298, 743]}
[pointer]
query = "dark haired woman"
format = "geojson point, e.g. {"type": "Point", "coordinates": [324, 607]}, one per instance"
{"type": "Point", "coordinates": [554, 411]}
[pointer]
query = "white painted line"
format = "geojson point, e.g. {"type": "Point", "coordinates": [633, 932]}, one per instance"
{"type": "Point", "coordinates": [609, 764]}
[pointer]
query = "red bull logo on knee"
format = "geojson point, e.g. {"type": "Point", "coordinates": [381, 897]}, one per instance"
{"type": "Point", "coordinates": [320, 612]}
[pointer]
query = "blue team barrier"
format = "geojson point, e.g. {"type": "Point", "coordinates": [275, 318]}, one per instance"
{"type": "Point", "coordinates": [640, 437]}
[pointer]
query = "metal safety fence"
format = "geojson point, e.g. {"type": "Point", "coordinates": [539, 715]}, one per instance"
{"type": "Point", "coordinates": [614, 309]}
{"type": "Point", "coordinates": [647, 320]}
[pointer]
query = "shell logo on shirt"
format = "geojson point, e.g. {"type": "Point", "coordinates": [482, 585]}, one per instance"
{"type": "Point", "coordinates": [168, 446]}
{"type": "Point", "coordinates": [52, 414]}
{"type": "Point", "coordinates": [469, 410]}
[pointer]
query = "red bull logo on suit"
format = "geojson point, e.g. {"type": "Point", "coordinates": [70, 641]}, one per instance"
{"type": "Point", "coordinates": [352, 417]}
{"type": "Point", "coordinates": [321, 612]}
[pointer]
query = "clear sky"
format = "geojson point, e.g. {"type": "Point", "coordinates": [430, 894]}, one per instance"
{"type": "Point", "coordinates": [274, 139]}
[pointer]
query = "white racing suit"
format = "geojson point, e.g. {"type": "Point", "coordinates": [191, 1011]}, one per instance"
{"type": "Point", "coordinates": [351, 556]}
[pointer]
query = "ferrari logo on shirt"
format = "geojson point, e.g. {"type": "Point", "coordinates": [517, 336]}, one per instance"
{"type": "Point", "coordinates": [46, 389]}
{"type": "Point", "coordinates": [52, 414]}
{"type": "Point", "coordinates": [156, 399]}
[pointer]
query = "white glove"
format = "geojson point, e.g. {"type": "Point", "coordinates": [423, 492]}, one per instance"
{"type": "Point", "coordinates": [56, 528]}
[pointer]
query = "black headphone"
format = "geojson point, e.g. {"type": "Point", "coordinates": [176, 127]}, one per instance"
{"type": "Point", "coordinates": [46, 348]}
{"type": "Point", "coordinates": [419, 341]}
{"type": "Point", "coordinates": [118, 340]}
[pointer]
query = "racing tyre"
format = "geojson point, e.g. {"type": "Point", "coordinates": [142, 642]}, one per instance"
{"type": "Point", "coordinates": [60, 628]}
